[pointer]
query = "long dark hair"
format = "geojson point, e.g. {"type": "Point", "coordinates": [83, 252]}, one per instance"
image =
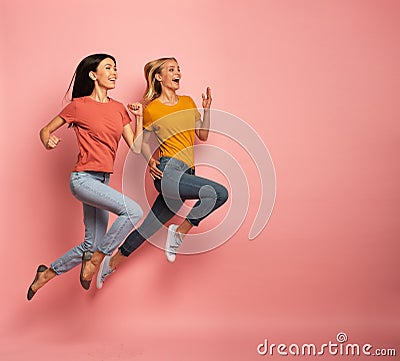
{"type": "Point", "coordinates": [82, 84]}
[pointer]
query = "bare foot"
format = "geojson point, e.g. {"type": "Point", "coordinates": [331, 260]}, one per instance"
{"type": "Point", "coordinates": [43, 275]}
{"type": "Point", "coordinates": [92, 265]}
{"type": "Point", "coordinates": [116, 260]}
{"type": "Point", "coordinates": [43, 278]}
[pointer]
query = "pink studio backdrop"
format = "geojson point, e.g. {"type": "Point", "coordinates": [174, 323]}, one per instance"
{"type": "Point", "coordinates": [318, 81]}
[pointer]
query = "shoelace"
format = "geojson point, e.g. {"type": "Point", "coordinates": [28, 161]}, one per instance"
{"type": "Point", "coordinates": [177, 241]}
{"type": "Point", "coordinates": [105, 275]}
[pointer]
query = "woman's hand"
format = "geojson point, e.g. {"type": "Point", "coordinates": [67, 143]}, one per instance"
{"type": "Point", "coordinates": [206, 99]}
{"type": "Point", "coordinates": [52, 142]}
{"type": "Point", "coordinates": [136, 109]}
{"type": "Point", "coordinates": [134, 140]}
{"type": "Point", "coordinates": [154, 171]}
{"type": "Point", "coordinates": [203, 126]}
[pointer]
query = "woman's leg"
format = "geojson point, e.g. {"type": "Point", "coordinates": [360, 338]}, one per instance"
{"type": "Point", "coordinates": [96, 192]}
{"type": "Point", "coordinates": [95, 220]}
{"type": "Point", "coordinates": [159, 214]}
{"type": "Point", "coordinates": [100, 195]}
{"type": "Point", "coordinates": [98, 198]}
{"type": "Point", "coordinates": [181, 182]}
{"type": "Point", "coordinates": [177, 184]}
{"type": "Point", "coordinates": [186, 185]}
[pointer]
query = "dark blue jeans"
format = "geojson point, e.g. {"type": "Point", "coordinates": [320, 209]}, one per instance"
{"type": "Point", "coordinates": [177, 184]}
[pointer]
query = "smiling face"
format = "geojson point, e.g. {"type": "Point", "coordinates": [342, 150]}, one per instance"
{"type": "Point", "coordinates": [106, 74]}
{"type": "Point", "coordinates": [170, 75]}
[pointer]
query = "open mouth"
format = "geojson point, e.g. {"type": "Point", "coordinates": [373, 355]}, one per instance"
{"type": "Point", "coordinates": [176, 80]}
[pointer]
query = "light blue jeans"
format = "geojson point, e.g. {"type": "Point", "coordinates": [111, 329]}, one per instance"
{"type": "Point", "coordinates": [98, 199]}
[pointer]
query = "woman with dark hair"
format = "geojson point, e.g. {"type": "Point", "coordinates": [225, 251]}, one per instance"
{"type": "Point", "coordinates": [175, 121]}
{"type": "Point", "coordinates": [98, 122]}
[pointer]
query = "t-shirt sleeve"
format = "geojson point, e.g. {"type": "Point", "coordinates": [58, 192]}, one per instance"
{"type": "Point", "coordinates": [197, 114]}
{"type": "Point", "coordinates": [69, 113]}
{"type": "Point", "coordinates": [125, 116]}
{"type": "Point", "coordinates": [147, 120]}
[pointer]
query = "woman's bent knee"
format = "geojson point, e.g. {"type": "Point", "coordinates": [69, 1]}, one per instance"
{"type": "Point", "coordinates": [222, 194]}
{"type": "Point", "coordinates": [133, 210]}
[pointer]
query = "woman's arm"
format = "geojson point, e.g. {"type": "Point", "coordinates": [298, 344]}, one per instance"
{"type": "Point", "coordinates": [50, 141]}
{"type": "Point", "coordinates": [147, 154]}
{"type": "Point", "coordinates": [203, 127]}
{"type": "Point", "coordinates": [134, 140]}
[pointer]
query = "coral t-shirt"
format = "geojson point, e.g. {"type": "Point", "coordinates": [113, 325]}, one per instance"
{"type": "Point", "coordinates": [174, 127]}
{"type": "Point", "coordinates": [98, 127]}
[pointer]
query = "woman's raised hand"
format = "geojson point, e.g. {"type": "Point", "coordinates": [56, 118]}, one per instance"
{"type": "Point", "coordinates": [136, 109]}
{"type": "Point", "coordinates": [206, 98]}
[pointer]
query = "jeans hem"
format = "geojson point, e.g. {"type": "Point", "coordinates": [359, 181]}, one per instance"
{"type": "Point", "coordinates": [124, 252]}
{"type": "Point", "coordinates": [193, 224]}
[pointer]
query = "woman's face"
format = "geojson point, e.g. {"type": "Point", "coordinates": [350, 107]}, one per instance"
{"type": "Point", "coordinates": [170, 75]}
{"type": "Point", "coordinates": [106, 74]}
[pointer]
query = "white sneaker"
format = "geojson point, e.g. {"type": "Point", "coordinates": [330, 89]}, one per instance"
{"type": "Point", "coordinates": [104, 271]}
{"type": "Point", "coordinates": [174, 240]}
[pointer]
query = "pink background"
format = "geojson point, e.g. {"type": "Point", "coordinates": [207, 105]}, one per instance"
{"type": "Point", "coordinates": [318, 80]}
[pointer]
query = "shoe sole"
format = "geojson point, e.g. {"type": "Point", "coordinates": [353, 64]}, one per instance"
{"type": "Point", "coordinates": [99, 284]}
{"type": "Point", "coordinates": [170, 256]}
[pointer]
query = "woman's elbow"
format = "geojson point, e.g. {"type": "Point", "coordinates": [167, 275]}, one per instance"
{"type": "Point", "coordinates": [42, 131]}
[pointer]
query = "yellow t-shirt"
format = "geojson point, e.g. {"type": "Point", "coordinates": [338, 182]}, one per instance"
{"type": "Point", "coordinates": [174, 127]}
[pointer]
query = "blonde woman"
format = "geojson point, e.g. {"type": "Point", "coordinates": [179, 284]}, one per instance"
{"type": "Point", "coordinates": [175, 121]}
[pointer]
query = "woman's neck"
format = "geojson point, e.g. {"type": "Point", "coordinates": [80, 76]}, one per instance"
{"type": "Point", "coordinates": [168, 97]}
{"type": "Point", "coordinates": [100, 95]}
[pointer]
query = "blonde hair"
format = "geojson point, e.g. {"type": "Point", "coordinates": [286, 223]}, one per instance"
{"type": "Point", "coordinates": [153, 87]}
